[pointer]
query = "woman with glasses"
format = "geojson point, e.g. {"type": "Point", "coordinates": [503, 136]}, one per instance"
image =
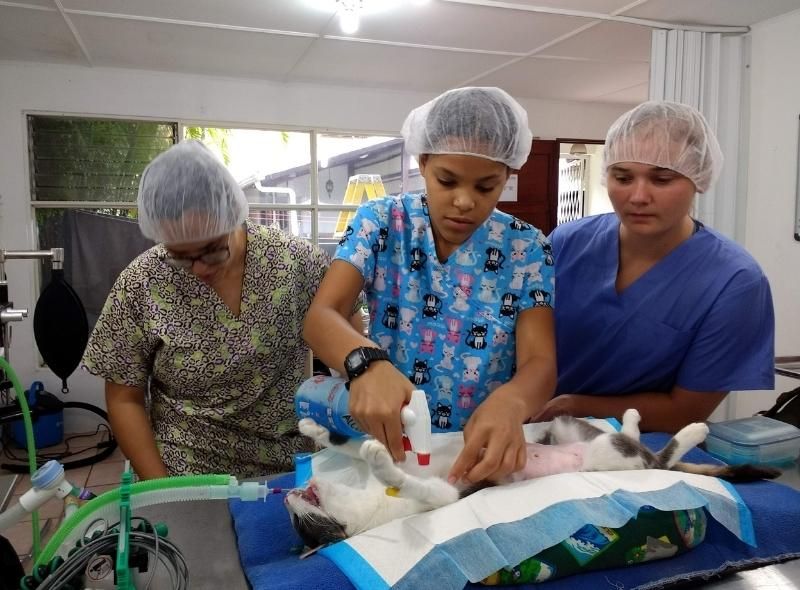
{"type": "Point", "coordinates": [209, 321]}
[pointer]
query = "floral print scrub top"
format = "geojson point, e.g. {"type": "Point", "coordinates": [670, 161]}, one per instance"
{"type": "Point", "coordinates": [222, 387]}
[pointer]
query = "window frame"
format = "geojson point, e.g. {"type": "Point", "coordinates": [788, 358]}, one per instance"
{"type": "Point", "coordinates": [315, 207]}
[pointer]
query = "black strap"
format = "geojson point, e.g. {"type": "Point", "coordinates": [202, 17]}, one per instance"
{"type": "Point", "coordinates": [786, 408]}
{"type": "Point", "coordinates": [375, 354]}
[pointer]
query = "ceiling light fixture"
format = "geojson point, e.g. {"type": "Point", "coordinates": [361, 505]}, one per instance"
{"type": "Point", "coordinates": [349, 15]}
{"type": "Point", "coordinates": [578, 149]}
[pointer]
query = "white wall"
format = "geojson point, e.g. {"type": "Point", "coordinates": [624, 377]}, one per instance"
{"type": "Point", "coordinates": [97, 91]}
{"type": "Point", "coordinates": [772, 180]}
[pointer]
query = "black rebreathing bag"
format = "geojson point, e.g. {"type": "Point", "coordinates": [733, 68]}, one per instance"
{"type": "Point", "coordinates": [60, 327]}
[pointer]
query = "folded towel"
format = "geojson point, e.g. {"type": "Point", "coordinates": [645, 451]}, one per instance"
{"type": "Point", "coordinates": [265, 539]}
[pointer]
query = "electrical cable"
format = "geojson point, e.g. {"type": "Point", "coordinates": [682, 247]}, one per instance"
{"type": "Point", "coordinates": [108, 447]}
{"type": "Point", "coordinates": [42, 457]}
{"type": "Point", "coordinates": [92, 545]}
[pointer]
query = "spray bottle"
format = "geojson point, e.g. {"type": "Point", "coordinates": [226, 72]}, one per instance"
{"type": "Point", "coordinates": [326, 401]}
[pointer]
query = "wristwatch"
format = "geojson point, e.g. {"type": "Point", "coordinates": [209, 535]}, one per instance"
{"type": "Point", "coordinates": [359, 359]}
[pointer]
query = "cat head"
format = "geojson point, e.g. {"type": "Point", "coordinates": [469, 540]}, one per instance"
{"type": "Point", "coordinates": [326, 512]}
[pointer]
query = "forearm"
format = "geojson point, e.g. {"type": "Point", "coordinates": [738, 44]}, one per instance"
{"type": "Point", "coordinates": [660, 411]}
{"type": "Point", "coordinates": [534, 381]}
{"type": "Point", "coordinates": [332, 336]}
{"type": "Point", "coordinates": [135, 436]}
{"type": "Point", "coordinates": [533, 385]}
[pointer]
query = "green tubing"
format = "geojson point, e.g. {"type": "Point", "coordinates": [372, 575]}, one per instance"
{"type": "Point", "coordinates": [111, 497]}
{"type": "Point", "coordinates": [29, 441]}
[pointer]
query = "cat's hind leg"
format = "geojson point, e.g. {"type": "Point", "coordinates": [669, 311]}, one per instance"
{"type": "Point", "coordinates": [324, 438]}
{"type": "Point", "coordinates": [684, 440]}
{"type": "Point", "coordinates": [568, 429]}
{"type": "Point", "coordinates": [433, 492]}
{"type": "Point", "coordinates": [630, 423]}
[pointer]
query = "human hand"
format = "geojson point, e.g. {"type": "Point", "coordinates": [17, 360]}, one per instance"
{"type": "Point", "coordinates": [494, 443]}
{"type": "Point", "coordinates": [376, 398]}
{"type": "Point", "coordinates": [558, 406]}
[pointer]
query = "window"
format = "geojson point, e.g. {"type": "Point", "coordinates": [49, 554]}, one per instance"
{"type": "Point", "coordinates": [284, 188]}
{"type": "Point", "coordinates": [84, 179]}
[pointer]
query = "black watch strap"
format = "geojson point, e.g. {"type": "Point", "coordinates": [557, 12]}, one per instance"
{"type": "Point", "coordinates": [359, 360]}
{"type": "Point", "coordinates": [375, 354]}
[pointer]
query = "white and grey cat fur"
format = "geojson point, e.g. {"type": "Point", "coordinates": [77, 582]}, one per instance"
{"type": "Point", "coordinates": [325, 511]}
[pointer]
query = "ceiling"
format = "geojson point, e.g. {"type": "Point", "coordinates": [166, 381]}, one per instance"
{"type": "Point", "coordinates": [428, 47]}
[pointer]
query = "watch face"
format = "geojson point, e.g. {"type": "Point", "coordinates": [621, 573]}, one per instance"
{"type": "Point", "coordinates": [354, 360]}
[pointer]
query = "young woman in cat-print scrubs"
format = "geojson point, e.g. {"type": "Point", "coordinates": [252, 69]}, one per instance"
{"type": "Point", "coordinates": [460, 295]}
{"type": "Point", "coordinates": [657, 311]}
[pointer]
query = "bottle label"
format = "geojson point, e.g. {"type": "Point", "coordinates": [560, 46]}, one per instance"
{"type": "Point", "coordinates": [326, 401]}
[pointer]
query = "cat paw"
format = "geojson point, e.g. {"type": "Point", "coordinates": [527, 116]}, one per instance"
{"type": "Point", "coordinates": [319, 434]}
{"type": "Point", "coordinates": [381, 464]}
{"type": "Point", "coordinates": [630, 423]}
{"type": "Point", "coordinates": [695, 433]}
{"type": "Point", "coordinates": [375, 454]}
{"type": "Point", "coordinates": [441, 493]}
{"type": "Point", "coordinates": [631, 416]}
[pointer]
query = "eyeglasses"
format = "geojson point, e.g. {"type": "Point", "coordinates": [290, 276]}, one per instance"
{"type": "Point", "coordinates": [210, 257]}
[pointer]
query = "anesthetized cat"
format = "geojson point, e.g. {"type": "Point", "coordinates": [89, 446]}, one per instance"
{"type": "Point", "coordinates": [325, 512]}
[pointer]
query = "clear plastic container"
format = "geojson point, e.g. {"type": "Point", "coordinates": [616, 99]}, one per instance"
{"type": "Point", "coordinates": [754, 440]}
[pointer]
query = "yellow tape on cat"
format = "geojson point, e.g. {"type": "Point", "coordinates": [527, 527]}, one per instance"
{"type": "Point", "coordinates": [392, 491]}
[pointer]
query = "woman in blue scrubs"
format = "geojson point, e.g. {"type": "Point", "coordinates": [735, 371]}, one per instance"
{"type": "Point", "coordinates": [655, 310]}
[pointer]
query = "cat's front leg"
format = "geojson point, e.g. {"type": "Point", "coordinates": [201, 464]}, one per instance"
{"type": "Point", "coordinates": [322, 437]}
{"type": "Point", "coordinates": [319, 434]}
{"type": "Point", "coordinates": [433, 492]}
{"type": "Point", "coordinates": [380, 462]}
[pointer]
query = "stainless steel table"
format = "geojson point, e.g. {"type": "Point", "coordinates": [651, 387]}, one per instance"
{"type": "Point", "coordinates": [7, 482]}
{"type": "Point", "coordinates": [204, 533]}
{"type": "Point", "coordinates": [788, 366]}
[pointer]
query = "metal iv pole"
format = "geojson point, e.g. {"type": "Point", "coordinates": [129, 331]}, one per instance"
{"type": "Point", "coordinates": [8, 313]}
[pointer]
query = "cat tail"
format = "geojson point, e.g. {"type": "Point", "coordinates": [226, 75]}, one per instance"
{"type": "Point", "coordinates": [737, 473]}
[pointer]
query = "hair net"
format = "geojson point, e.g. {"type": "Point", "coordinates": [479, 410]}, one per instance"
{"type": "Point", "coordinates": [483, 122]}
{"type": "Point", "coordinates": [187, 195]}
{"type": "Point", "coordinates": [668, 135]}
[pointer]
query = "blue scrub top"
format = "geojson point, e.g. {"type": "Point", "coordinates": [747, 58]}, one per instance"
{"type": "Point", "coordinates": [448, 325]}
{"type": "Point", "coordinates": [701, 318]}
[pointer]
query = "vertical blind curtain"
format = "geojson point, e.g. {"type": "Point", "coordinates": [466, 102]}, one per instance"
{"type": "Point", "coordinates": [705, 70]}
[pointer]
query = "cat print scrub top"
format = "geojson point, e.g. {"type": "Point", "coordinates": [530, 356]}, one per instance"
{"type": "Point", "coordinates": [450, 327]}
{"type": "Point", "coordinates": [222, 386]}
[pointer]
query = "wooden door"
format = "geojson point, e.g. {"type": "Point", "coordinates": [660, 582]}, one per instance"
{"type": "Point", "coordinates": [537, 187]}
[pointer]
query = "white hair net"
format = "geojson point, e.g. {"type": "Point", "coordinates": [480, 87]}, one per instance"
{"type": "Point", "coordinates": [483, 122]}
{"type": "Point", "coordinates": [187, 195]}
{"type": "Point", "coordinates": [668, 135]}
